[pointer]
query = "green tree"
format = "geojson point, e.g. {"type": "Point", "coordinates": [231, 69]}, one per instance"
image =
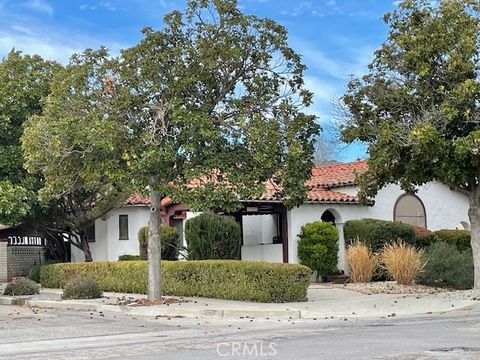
{"type": "Point", "coordinates": [204, 111]}
{"type": "Point", "coordinates": [72, 144]}
{"type": "Point", "coordinates": [418, 106]}
{"type": "Point", "coordinates": [24, 83]}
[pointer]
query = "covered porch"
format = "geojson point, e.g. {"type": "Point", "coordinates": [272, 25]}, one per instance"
{"type": "Point", "coordinates": [264, 231]}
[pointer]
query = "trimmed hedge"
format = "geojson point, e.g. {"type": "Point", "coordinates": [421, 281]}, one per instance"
{"type": "Point", "coordinates": [376, 233]}
{"type": "Point", "coordinates": [128, 257]}
{"type": "Point", "coordinates": [458, 238]}
{"type": "Point", "coordinates": [223, 279]}
{"type": "Point", "coordinates": [318, 247]}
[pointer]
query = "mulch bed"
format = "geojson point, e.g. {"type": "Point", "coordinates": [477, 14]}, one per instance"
{"type": "Point", "coordinates": [389, 287]}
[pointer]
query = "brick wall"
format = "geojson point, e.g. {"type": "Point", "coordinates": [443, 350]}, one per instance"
{"type": "Point", "coordinates": [20, 259]}
{"type": "Point", "coordinates": [3, 261]}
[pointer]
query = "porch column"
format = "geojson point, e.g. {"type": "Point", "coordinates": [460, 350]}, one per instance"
{"type": "Point", "coordinates": [342, 255]}
{"type": "Point", "coordinates": [284, 232]}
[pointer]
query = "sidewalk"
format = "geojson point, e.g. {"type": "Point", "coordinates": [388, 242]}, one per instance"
{"type": "Point", "coordinates": [323, 302]}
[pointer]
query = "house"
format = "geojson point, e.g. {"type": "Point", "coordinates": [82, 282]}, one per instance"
{"type": "Point", "coordinates": [270, 230]}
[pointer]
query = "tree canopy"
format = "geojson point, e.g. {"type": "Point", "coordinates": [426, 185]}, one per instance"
{"type": "Point", "coordinates": [24, 82]}
{"type": "Point", "coordinates": [418, 106]}
{"type": "Point", "coordinates": [205, 111]}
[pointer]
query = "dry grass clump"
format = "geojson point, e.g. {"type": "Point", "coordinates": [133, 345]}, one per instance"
{"type": "Point", "coordinates": [403, 262]}
{"type": "Point", "coordinates": [362, 262]}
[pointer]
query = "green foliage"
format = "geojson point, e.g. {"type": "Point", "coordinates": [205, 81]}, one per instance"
{"type": "Point", "coordinates": [318, 247]}
{"type": "Point", "coordinates": [34, 272]}
{"type": "Point", "coordinates": [458, 238]}
{"type": "Point", "coordinates": [170, 243]}
{"type": "Point", "coordinates": [212, 236]}
{"type": "Point", "coordinates": [376, 233]}
{"type": "Point", "coordinates": [24, 83]}
{"type": "Point", "coordinates": [447, 266]}
{"type": "Point", "coordinates": [82, 288]}
{"type": "Point", "coordinates": [234, 280]}
{"type": "Point", "coordinates": [424, 237]}
{"type": "Point", "coordinates": [129, 257]}
{"type": "Point", "coordinates": [22, 287]}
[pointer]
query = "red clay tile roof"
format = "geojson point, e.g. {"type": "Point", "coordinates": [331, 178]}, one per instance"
{"type": "Point", "coordinates": [145, 200]}
{"type": "Point", "coordinates": [324, 179]}
{"type": "Point", "coordinates": [337, 175]}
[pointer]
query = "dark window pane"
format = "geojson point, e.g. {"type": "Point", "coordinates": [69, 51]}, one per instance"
{"type": "Point", "coordinates": [90, 233]}
{"type": "Point", "coordinates": [123, 227]}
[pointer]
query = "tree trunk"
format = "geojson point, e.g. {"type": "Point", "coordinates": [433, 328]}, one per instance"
{"type": "Point", "coordinates": [154, 246]}
{"type": "Point", "coordinates": [474, 215]}
{"type": "Point", "coordinates": [86, 249]}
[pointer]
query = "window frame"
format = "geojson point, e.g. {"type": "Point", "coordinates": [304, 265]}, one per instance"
{"type": "Point", "coordinates": [421, 203]}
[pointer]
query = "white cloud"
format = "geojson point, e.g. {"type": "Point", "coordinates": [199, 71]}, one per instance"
{"type": "Point", "coordinates": [49, 42]}
{"type": "Point", "coordinates": [39, 6]}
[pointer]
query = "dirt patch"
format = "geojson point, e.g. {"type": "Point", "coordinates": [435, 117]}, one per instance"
{"type": "Point", "coordinates": [130, 301]}
{"type": "Point", "coordinates": [389, 287]}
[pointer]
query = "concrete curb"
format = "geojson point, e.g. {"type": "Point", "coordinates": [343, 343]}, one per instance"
{"type": "Point", "coordinates": [167, 311]}
{"type": "Point", "coordinates": [161, 311]}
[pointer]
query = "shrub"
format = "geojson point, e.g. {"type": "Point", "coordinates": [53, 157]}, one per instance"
{"type": "Point", "coordinates": [423, 237]}
{"type": "Point", "coordinates": [212, 236]}
{"type": "Point", "coordinates": [21, 287]}
{"type": "Point", "coordinates": [377, 233]}
{"type": "Point", "coordinates": [362, 262]}
{"type": "Point", "coordinates": [448, 267]}
{"type": "Point", "coordinates": [458, 238]}
{"type": "Point", "coordinates": [170, 245]}
{"type": "Point", "coordinates": [403, 262]}
{"type": "Point", "coordinates": [82, 288]}
{"type": "Point", "coordinates": [234, 280]}
{"type": "Point", "coordinates": [34, 272]}
{"type": "Point", "coordinates": [128, 257]}
{"type": "Point", "coordinates": [318, 247]}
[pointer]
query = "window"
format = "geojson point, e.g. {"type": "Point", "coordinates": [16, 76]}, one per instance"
{"type": "Point", "coordinates": [90, 233]}
{"type": "Point", "coordinates": [409, 209]}
{"type": "Point", "coordinates": [123, 227]}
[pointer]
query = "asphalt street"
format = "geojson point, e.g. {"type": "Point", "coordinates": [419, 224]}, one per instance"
{"type": "Point", "coordinates": [53, 334]}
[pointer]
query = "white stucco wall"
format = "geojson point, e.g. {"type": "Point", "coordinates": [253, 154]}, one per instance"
{"type": "Point", "coordinates": [259, 229]}
{"type": "Point", "coordinates": [107, 245]}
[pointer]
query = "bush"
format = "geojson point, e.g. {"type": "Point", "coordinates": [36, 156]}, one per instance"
{"type": "Point", "coordinates": [212, 236]}
{"type": "Point", "coordinates": [234, 280]}
{"type": "Point", "coordinates": [170, 245]}
{"type": "Point", "coordinates": [22, 287]}
{"type": "Point", "coordinates": [318, 247]}
{"type": "Point", "coordinates": [377, 233]}
{"type": "Point", "coordinates": [34, 272]}
{"type": "Point", "coordinates": [448, 267]}
{"type": "Point", "coordinates": [362, 262]}
{"type": "Point", "coordinates": [82, 288]}
{"type": "Point", "coordinates": [403, 262]}
{"type": "Point", "coordinates": [128, 257]}
{"type": "Point", "coordinates": [424, 238]}
{"type": "Point", "coordinates": [458, 238]}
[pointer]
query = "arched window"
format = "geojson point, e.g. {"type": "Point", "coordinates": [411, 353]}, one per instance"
{"type": "Point", "coordinates": [409, 209]}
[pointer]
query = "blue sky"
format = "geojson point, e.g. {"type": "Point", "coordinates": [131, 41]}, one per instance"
{"type": "Point", "coordinates": [336, 38]}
